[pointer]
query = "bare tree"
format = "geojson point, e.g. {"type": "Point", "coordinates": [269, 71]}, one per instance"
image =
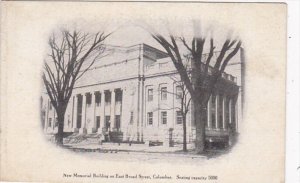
{"type": "Point", "coordinates": [201, 84]}
{"type": "Point", "coordinates": [71, 55]}
{"type": "Point", "coordinates": [184, 108]}
{"type": "Point", "coordinates": [182, 95]}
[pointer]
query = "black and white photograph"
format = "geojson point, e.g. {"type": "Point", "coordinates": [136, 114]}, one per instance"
{"type": "Point", "coordinates": [143, 91]}
{"type": "Point", "coordinates": [181, 95]}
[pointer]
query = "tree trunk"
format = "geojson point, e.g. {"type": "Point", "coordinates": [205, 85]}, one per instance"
{"type": "Point", "coordinates": [199, 112]}
{"type": "Point", "coordinates": [184, 134]}
{"type": "Point", "coordinates": [60, 131]}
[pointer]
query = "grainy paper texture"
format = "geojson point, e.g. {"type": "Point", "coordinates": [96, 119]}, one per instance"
{"type": "Point", "coordinates": [258, 157]}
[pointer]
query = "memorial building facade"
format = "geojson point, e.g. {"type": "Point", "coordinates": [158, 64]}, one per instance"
{"type": "Point", "coordinates": [133, 93]}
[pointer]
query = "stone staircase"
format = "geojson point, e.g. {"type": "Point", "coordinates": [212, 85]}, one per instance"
{"type": "Point", "coordinates": [77, 138]}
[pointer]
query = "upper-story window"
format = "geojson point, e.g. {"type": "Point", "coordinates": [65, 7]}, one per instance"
{"type": "Point", "coordinates": [107, 97]}
{"type": "Point", "coordinates": [179, 92]}
{"type": "Point", "coordinates": [118, 95]}
{"type": "Point", "coordinates": [131, 118]}
{"type": "Point", "coordinates": [50, 106]}
{"type": "Point", "coordinates": [179, 117]}
{"type": "Point", "coordinates": [150, 94]}
{"type": "Point", "coordinates": [150, 118]}
{"type": "Point", "coordinates": [88, 99]}
{"type": "Point", "coordinates": [164, 117]}
{"type": "Point", "coordinates": [163, 91]}
{"type": "Point", "coordinates": [98, 98]}
{"type": "Point", "coordinates": [50, 122]}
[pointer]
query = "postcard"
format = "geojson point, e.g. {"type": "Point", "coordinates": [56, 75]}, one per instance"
{"type": "Point", "coordinates": [143, 92]}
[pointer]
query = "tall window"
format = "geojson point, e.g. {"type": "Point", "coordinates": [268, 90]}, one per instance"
{"type": "Point", "coordinates": [179, 117]}
{"type": "Point", "coordinates": [79, 111]}
{"type": "Point", "coordinates": [50, 122]}
{"type": "Point", "coordinates": [150, 118]}
{"type": "Point", "coordinates": [213, 111]}
{"type": "Point", "coordinates": [50, 106]}
{"type": "Point", "coordinates": [118, 95]}
{"type": "Point", "coordinates": [88, 99]}
{"type": "Point", "coordinates": [150, 94]}
{"type": "Point", "coordinates": [227, 112]}
{"type": "Point", "coordinates": [164, 117]}
{"type": "Point", "coordinates": [233, 119]}
{"type": "Point", "coordinates": [131, 117]}
{"type": "Point", "coordinates": [97, 122]}
{"type": "Point", "coordinates": [179, 92]}
{"type": "Point", "coordinates": [107, 122]}
{"type": "Point", "coordinates": [97, 98]}
{"type": "Point", "coordinates": [118, 122]}
{"type": "Point", "coordinates": [107, 97]}
{"type": "Point", "coordinates": [220, 112]}
{"type": "Point", "coordinates": [163, 93]}
{"type": "Point", "coordinates": [69, 121]}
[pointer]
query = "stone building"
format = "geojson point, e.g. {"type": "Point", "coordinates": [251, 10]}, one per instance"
{"type": "Point", "coordinates": [132, 95]}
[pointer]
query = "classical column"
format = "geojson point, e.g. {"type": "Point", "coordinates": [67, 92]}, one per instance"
{"type": "Point", "coordinates": [54, 119]}
{"type": "Point", "coordinates": [83, 116]}
{"type": "Point", "coordinates": [47, 117]}
{"type": "Point", "coordinates": [236, 116]}
{"type": "Point", "coordinates": [217, 111]}
{"type": "Point", "coordinates": [102, 113]}
{"type": "Point", "coordinates": [92, 125]}
{"type": "Point", "coordinates": [224, 112]}
{"type": "Point", "coordinates": [209, 112]}
{"type": "Point", "coordinates": [112, 110]}
{"type": "Point", "coordinates": [230, 118]}
{"type": "Point", "coordinates": [75, 127]}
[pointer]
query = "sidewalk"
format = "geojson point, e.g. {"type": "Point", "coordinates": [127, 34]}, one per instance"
{"type": "Point", "coordinates": [133, 148]}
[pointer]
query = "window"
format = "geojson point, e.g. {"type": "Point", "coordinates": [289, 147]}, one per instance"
{"type": "Point", "coordinates": [118, 122]}
{"type": "Point", "coordinates": [118, 95]}
{"type": "Point", "coordinates": [150, 94]}
{"type": "Point", "coordinates": [79, 111]}
{"type": "Point", "coordinates": [107, 97]}
{"type": "Point", "coordinates": [150, 118]}
{"type": "Point", "coordinates": [107, 123]}
{"type": "Point", "coordinates": [50, 122]}
{"type": "Point", "coordinates": [164, 117]}
{"type": "Point", "coordinates": [179, 92]}
{"type": "Point", "coordinates": [131, 117]}
{"type": "Point", "coordinates": [50, 106]}
{"type": "Point", "coordinates": [88, 99]}
{"type": "Point", "coordinates": [69, 121]}
{"type": "Point", "coordinates": [178, 117]}
{"type": "Point", "coordinates": [97, 98]}
{"type": "Point", "coordinates": [56, 122]}
{"type": "Point", "coordinates": [97, 122]}
{"type": "Point", "coordinates": [163, 93]}
{"type": "Point", "coordinates": [213, 111]}
{"type": "Point", "coordinates": [227, 106]}
{"type": "Point", "coordinates": [220, 112]}
{"type": "Point", "coordinates": [233, 122]}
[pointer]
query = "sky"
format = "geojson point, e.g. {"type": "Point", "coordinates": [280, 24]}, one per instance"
{"type": "Point", "coordinates": [131, 32]}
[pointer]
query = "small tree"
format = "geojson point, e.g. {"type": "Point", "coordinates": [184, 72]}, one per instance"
{"type": "Point", "coordinates": [182, 95]}
{"type": "Point", "coordinates": [185, 101]}
{"type": "Point", "coordinates": [72, 53]}
{"type": "Point", "coordinates": [201, 84]}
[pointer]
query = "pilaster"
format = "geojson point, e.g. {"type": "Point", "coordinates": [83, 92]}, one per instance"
{"type": "Point", "coordinates": [74, 122]}
{"type": "Point", "coordinates": [83, 117]}
{"type": "Point", "coordinates": [217, 111]}
{"type": "Point", "coordinates": [112, 109]}
{"type": "Point", "coordinates": [209, 112]}
{"type": "Point", "coordinates": [224, 111]}
{"type": "Point", "coordinates": [102, 112]}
